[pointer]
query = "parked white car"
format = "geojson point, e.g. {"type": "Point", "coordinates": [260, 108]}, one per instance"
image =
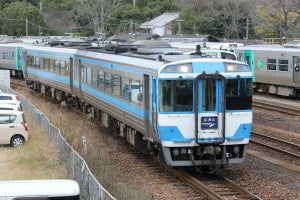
{"type": "Point", "coordinates": [13, 128]}
{"type": "Point", "coordinates": [8, 96]}
{"type": "Point", "coordinates": [14, 107]}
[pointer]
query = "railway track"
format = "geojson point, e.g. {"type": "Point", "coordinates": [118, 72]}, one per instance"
{"type": "Point", "coordinates": [216, 187]}
{"type": "Point", "coordinates": [285, 147]}
{"type": "Point", "coordinates": [278, 108]}
{"type": "Point", "coordinates": [291, 108]}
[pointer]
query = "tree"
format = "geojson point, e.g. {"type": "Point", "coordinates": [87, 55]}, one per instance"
{"type": "Point", "coordinates": [280, 18]}
{"type": "Point", "coordinates": [14, 19]}
{"type": "Point", "coordinates": [94, 14]}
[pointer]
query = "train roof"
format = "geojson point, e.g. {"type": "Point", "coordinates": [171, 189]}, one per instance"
{"type": "Point", "coordinates": [50, 49]}
{"type": "Point", "coordinates": [122, 59]}
{"type": "Point", "coordinates": [268, 48]}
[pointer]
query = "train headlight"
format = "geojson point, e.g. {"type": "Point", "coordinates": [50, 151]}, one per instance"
{"type": "Point", "coordinates": [236, 67]}
{"type": "Point", "coordinates": [182, 68]}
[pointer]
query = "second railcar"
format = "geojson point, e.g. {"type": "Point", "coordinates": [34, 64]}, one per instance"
{"type": "Point", "coordinates": [10, 58]}
{"type": "Point", "coordinates": [276, 69]}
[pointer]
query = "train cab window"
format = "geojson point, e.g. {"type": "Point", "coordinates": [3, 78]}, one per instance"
{"type": "Point", "coordinates": [283, 65]}
{"type": "Point", "coordinates": [271, 63]}
{"type": "Point", "coordinates": [209, 95]}
{"type": "Point", "coordinates": [176, 96]}
{"type": "Point", "coordinates": [239, 94]}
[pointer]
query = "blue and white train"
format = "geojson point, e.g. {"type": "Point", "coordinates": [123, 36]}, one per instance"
{"type": "Point", "coordinates": [195, 112]}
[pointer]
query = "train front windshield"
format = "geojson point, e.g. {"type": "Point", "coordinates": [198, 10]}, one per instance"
{"type": "Point", "coordinates": [176, 96]}
{"type": "Point", "coordinates": [239, 94]}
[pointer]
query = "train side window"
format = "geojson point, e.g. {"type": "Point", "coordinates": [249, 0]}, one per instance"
{"type": "Point", "coordinates": [94, 77]}
{"type": "Point", "coordinates": [51, 65]}
{"type": "Point", "coordinates": [271, 63]}
{"type": "Point", "coordinates": [107, 82]}
{"type": "Point", "coordinates": [56, 66]}
{"type": "Point", "coordinates": [283, 65]}
{"type": "Point", "coordinates": [116, 85]}
{"type": "Point", "coordinates": [63, 70]}
{"type": "Point", "coordinates": [136, 90]}
{"type": "Point", "coordinates": [30, 60]}
{"type": "Point", "coordinates": [125, 88]}
{"type": "Point", "coordinates": [87, 75]}
{"type": "Point", "coordinates": [37, 62]}
{"type": "Point", "coordinates": [100, 83]}
{"type": "Point", "coordinates": [46, 64]}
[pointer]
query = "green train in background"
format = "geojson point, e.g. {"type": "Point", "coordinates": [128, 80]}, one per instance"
{"type": "Point", "coordinates": [276, 69]}
{"type": "Point", "coordinates": [10, 58]}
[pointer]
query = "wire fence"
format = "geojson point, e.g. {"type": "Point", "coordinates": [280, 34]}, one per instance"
{"type": "Point", "coordinates": [77, 168]}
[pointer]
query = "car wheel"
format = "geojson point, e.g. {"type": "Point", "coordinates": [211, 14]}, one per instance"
{"type": "Point", "coordinates": [17, 141]}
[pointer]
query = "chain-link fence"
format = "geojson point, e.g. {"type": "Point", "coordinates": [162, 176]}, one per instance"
{"type": "Point", "coordinates": [77, 168]}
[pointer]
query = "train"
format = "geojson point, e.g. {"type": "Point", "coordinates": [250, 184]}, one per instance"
{"type": "Point", "coordinates": [10, 58]}
{"type": "Point", "coordinates": [194, 112]}
{"type": "Point", "coordinates": [276, 69]}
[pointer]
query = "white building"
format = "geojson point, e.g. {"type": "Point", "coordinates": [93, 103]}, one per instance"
{"type": "Point", "coordinates": [161, 25]}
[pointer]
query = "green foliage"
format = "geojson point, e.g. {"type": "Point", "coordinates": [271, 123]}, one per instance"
{"type": "Point", "coordinates": [226, 18]}
{"type": "Point", "coordinates": [14, 19]}
{"type": "Point", "coordinates": [57, 4]}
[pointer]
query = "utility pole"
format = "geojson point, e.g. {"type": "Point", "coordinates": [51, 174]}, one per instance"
{"type": "Point", "coordinates": [247, 30]}
{"type": "Point", "coordinates": [26, 22]}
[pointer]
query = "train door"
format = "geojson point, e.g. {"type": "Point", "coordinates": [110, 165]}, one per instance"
{"type": "Point", "coordinates": [146, 104]}
{"type": "Point", "coordinates": [296, 66]}
{"type": "Point", "coordinates": [71, 74]}
{"type": "Point", "coordinates": [249, 59]}
{"type": "Point", "coordinates": [210, 109]}
{"type": "Point", "coordinates": [154, 104]}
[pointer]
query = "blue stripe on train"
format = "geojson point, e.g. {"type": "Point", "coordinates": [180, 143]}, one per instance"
{"type": "Point", "coordinates": [172, 133]}
{"type": "Point", "coordinates": [116, 102]}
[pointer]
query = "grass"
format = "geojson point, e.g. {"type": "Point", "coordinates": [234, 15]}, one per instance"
{"type": "Point", "coordinates": [39, 157]}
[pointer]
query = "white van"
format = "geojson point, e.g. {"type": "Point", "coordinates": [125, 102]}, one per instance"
{"type": "Point", "coordinates": [13, 128]}
{"type": "Point", "coordinates": [55, 189]}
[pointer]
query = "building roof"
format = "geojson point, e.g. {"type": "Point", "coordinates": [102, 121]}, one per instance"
{"type": "Point", "coordinates": [160, 20]}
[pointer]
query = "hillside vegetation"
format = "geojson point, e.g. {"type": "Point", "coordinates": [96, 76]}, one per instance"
{"type": "Point", "coordinates": [235, 19]}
